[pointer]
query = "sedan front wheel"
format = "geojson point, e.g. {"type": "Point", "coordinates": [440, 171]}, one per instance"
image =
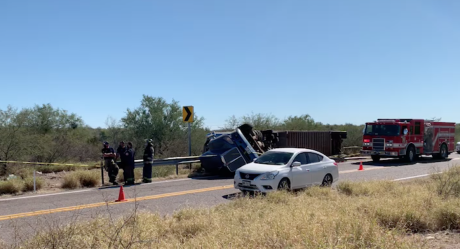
{"type": "Point", "coordinates": [284, 184]}
{"type": "Point", "coordinates": [327, 181]}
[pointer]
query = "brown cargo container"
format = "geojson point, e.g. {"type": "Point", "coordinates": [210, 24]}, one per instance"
{"type": "Point", "coordinates": [326, 142]}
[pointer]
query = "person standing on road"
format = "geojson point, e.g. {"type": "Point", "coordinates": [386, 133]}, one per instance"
{"type": "Point", "coordinates": [109, 163]}
{"type": "Point", "coordinates": [129, 167]}
{"type": "Point", "coordinates": [120, 156]}
{"type": "Point", "coordinates": [148, 161]}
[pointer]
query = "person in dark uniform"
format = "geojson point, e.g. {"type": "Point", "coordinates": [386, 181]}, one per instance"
{"type": "Point", "coordinates": [148, 161]}
{"type": "Point", "coordinates": [109, 163]}
{"type": "Point", "coordinates": [129, 167]}
{"type": "Point", "coordinates": [120, 156]}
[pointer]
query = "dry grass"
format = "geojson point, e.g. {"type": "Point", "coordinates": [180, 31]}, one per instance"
{"type": "Point", "coordinates": [55, 168]}
{"type": "Point", "coordinates": [279, 220]}
{"type": "Point", "coordinates": [18, 185]}
{"type": "Point", "coordinates": [11, 187]}
{"type": "Point", "coordinates": [70, 181]}
{"type": "Point", "coordinates": [378, 214]}
{"type": "Point", "coordinates": [24, 170]}
{"type": "Point", "coordinates": [448, 184]}
{"type": "Point", "coordinates": [29, 184]}
{"type": "Point", "coordinates": [81, 178]}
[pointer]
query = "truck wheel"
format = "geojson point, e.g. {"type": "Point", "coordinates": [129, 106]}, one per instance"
{"type": "Point", "coordinates": [375, 158]}
{"type": "Point", "coordinates": [410, 155]}
{"type": "Point", "coordinates": [443, 154]}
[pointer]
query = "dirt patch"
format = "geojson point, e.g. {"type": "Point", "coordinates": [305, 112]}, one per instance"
{"type": "Point", "coordinates": [441, 240]}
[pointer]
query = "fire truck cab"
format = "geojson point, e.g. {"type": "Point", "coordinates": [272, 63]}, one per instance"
{"type": "Point", "coordinates": [408, 139]}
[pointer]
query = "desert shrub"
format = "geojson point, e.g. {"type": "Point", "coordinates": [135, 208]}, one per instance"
{"type": "Point", "coordinates": [29, 183]}
{"type": "Point", "coordinates": [13, 186]}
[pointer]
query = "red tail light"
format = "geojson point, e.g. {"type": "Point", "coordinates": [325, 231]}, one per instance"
{"type": "Point", "coordinates": [367, 140]}
{"type": "Point", "coordinates": [335, 163]}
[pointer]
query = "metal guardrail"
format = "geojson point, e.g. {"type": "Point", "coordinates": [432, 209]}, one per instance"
{"type": "Point", "coordinates": [164, 162]}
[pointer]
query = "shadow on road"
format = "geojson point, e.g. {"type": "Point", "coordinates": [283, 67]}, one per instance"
{"type": "Point", "coordinates": [232, 196]}
{"type": "Point", "coordinates": [118, 186]}
{"type": "Point", "coordinates": [235, 196]}
{"type": "Point", "coordinates": [401, 162]}
{"type": "Point", "coordinates": [213, 177]}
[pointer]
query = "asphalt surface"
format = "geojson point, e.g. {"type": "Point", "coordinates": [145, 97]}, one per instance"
{"type": "Point", "coordinates": [21, 217]}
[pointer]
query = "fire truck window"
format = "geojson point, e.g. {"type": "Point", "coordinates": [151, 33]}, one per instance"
{"type": "Point", "coordinates": [383, 130]}
{"type": "Point", "coordinates": [417, 128]}
{"type": "Point", "coordinates": [411, 130]}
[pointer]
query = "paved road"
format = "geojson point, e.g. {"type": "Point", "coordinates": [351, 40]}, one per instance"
{"type": "Point", "coordinates": [22, 216]}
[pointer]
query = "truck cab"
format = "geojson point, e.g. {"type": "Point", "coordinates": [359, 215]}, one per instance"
{"type": "Point", "coordinates": [384, 139]}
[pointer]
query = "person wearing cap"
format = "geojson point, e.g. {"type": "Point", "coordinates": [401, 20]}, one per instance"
{"type": "Point", "coordinates": [129, 155]}
{"type": "Point", "coordinates": [148, 161]}
{"type": "Point", "coordinates": [109, 163]}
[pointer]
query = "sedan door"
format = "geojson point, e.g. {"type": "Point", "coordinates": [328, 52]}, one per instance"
{"type": "Point", "coordinates": [316, 167]}
{"type": "Point", "coordinates": [300, 175]}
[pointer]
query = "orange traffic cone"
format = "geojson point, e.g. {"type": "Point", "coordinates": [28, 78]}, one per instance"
{"type": "Point", "coordinates": [121, 196]}
{"type": "Point", "coordinates": [361, 166]}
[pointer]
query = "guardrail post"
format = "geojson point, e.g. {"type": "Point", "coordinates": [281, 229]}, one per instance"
{"type": "Point", "coordinates": [189, 140]}
{"type": "Point", "coordinates": [102, 173]}
{"type": "Point", "coordinates": [177, 169]}
{"type": "Point", "coordinates": [35, 186]}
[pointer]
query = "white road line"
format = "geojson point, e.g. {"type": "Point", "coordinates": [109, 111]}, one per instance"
{"type": "Point", "coordinates": [87, 190]}
{"type": "Point", "coordinates": [411, 177]}
{"type": "Point", "coordinates": [34, 196]}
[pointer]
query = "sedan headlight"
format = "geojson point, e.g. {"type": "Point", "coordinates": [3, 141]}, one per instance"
{"type": "Point", "coordinates": [269, 175]}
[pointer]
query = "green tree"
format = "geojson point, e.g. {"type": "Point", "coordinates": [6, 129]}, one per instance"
{"type": "Point", "coordinates": [55, 134]}
{"type": "Point", "coordinates": [259, 121]}
{"type": "Point", "coordinates": [303, 122]}
{"type": "Point", "coordinates": [45, 119]}
{"type": "Point", "coordinates": [161, 121]}
{"type": "Point", "coordinates": [12, 136]}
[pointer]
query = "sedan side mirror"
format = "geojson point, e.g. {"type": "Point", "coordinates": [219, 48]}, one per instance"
{"type": "Point", "coordinates": [296, 164]}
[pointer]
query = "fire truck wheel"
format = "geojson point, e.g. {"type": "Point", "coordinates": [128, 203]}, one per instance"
{"type": "Point", "coordinates": [443, 153]}
{"type": "Point", "coordinates": [410, 156]}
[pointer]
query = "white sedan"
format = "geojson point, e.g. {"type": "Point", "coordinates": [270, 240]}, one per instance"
{"type": "Point", "coordinates": [286, 168]}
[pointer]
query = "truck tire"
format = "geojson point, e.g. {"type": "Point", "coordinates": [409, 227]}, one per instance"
{"type": "Point", "coordinates": [410, 154]}
{"type": "Point", "coordinates": [375, 158]}
{"type": "Point", "coordinates": [443, 153]}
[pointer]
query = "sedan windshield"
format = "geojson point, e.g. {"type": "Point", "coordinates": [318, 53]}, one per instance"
{"type": "Point", "coordinates": [274, 158]}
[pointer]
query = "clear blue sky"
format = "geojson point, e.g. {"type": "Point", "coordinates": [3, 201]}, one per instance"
{"type": "Point", "coordinates": [339, 61]}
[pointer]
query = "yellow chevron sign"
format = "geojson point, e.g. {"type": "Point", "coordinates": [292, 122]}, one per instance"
{"type": "Point", "coordinates": [187, 114]}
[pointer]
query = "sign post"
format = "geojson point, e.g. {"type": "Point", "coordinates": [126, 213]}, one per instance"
{"type": "Point", "coordinates": [187, 116]}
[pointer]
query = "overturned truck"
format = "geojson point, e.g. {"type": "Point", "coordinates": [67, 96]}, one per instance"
{"type": "Point", "coordinates": [225, 152]}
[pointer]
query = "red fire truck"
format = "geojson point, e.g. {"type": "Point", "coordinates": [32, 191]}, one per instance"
{"type": "Point", "coordinates": [408, 139]}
